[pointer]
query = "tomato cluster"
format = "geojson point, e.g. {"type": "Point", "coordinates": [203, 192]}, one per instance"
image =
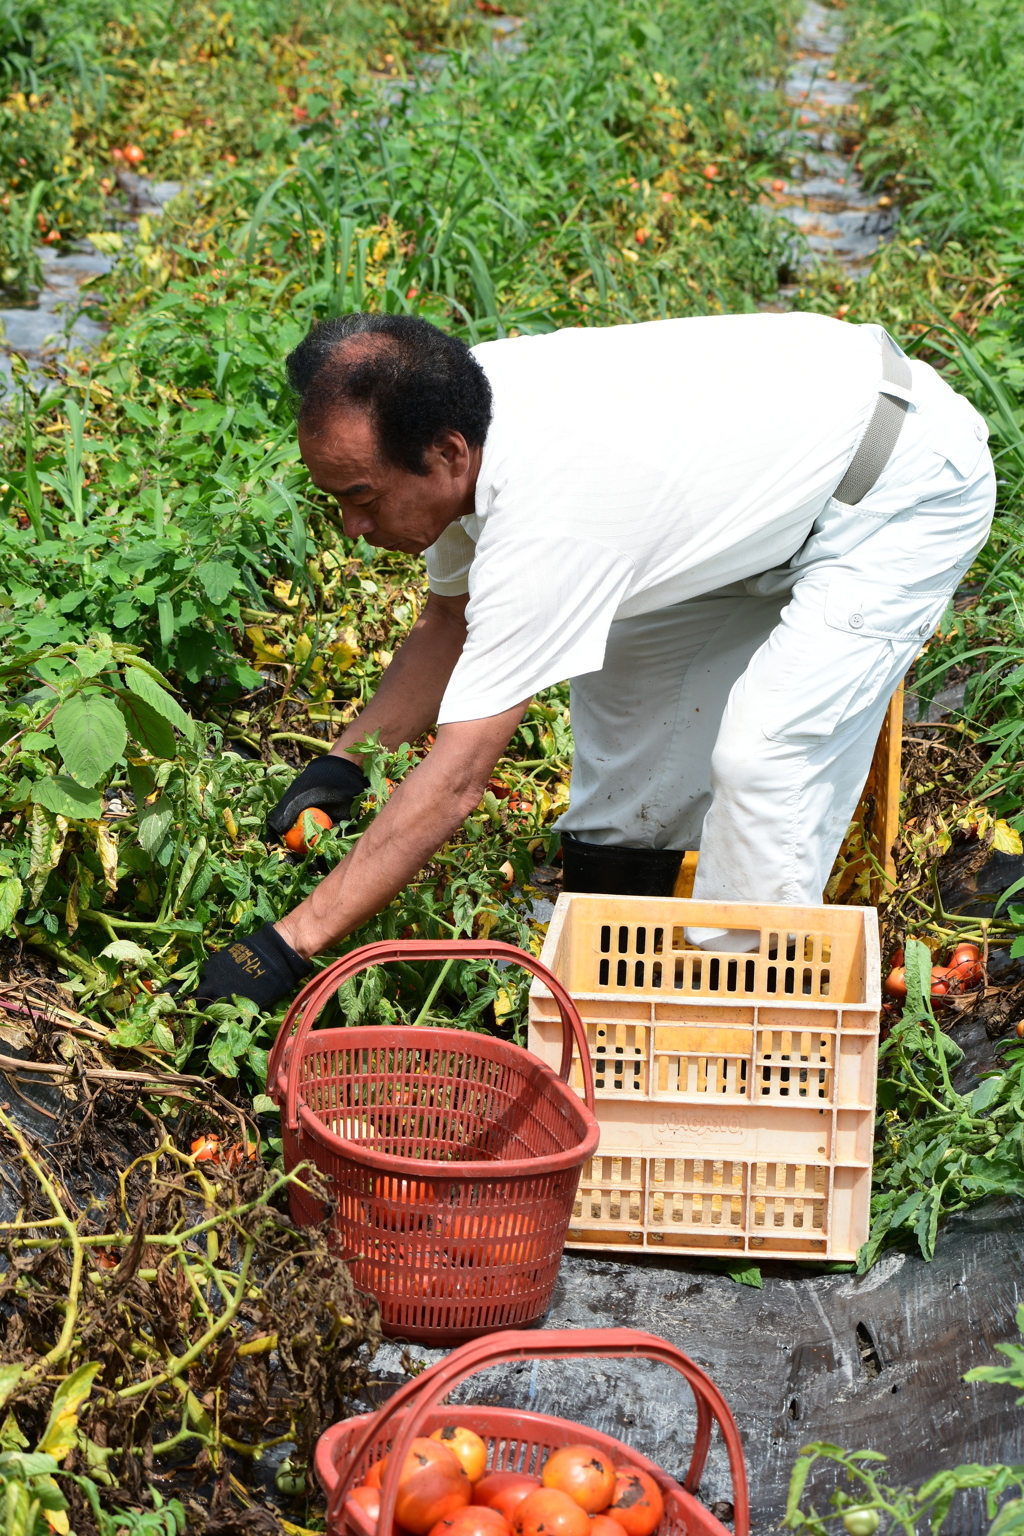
{"type": "Point", "coordinates": [962, 974]}
{"type": "Point", "coordinates": [208, 1149]}
{"type": "Point", "coordinates": [445, 1490]}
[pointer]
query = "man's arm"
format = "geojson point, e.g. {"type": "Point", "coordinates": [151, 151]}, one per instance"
{"type": "Point", "coordinates": [410, 693]}
{"type": "Point", "coordinates": [426, 808]}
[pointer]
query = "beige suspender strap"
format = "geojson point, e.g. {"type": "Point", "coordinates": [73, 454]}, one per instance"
{"type": "Point", "coordinates": [884, 428]}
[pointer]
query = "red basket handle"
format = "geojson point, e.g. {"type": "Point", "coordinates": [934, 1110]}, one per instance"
{"type": "Point", "coordinates": [426, 1392]}
{"type": "Point", "coordinates": [310, 1002]}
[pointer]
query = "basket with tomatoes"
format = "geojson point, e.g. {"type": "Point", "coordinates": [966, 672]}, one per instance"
{"type": "Point", "coordinates": [963, 972]}
{"type": "Point", "coordinates": [419, 1468]}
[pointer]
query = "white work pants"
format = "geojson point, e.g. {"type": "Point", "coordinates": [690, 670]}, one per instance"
{"type": "Point", "coordinates": [743, 723]}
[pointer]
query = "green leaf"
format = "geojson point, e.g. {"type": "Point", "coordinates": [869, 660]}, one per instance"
{"type": "Point", "coordinates": [797, 1480]}
{"type": "Point", "coordinates": [165, 616]}
{"type": "Point", "coordinates": [218, 578]}
{"type": "Point", "coordinates": [152, 732]}
{"type": "Point", "coordinates": [126, 951]}
{"type": "Point", "coordinates": [986, 1093]}
{"type": "Point", "coordinates": [143, 686]}
{"type": "Point", "coordinates": [59, 1437]}
{"type": "Point", "coordinates": [12, 894]}
{"type": "Point", "coordinates": [10, 1375]}
{"type": "Point", "coordinates": [154, 821]}
{"type": "Point", "coordinates": [66, 797]}
{"type": "Point", "coordinates": [32, 1464]}
{"type": "Point", "coordinates": [229, 1044]}
{"type": "Point", "coordinates": [1010, 1519]}
{"type": "Point", "coordinates": [1017, 947]}
{"type": "Point", "coordinates": [91, 735]}
{"type": "Point", "coordinates": [745, 1273]}
{"type": "Point", "coordinates": [91, 661]}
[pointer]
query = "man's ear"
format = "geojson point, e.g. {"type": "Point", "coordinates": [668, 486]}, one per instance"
{"type": "Point", "coordinates": [452, 450]}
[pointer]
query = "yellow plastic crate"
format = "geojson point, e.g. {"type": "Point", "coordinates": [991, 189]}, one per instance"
{"type": "Point", "coordinates": [735, 1092]}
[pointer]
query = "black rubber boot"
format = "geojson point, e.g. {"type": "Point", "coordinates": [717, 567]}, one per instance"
{"type": "Point", "coordinates": [616, 871]}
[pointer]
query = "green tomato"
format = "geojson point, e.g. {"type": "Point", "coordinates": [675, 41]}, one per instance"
{"type": "Point", "coordinates": [861, 1522]}
{"type": "Point", "coordinates": [291, 1479]}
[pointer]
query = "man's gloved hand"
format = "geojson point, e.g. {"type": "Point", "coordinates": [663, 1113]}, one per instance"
{"type": "Point", "coordinates": [329, 784]}
{"type": "Point", "coordinates": [263, 967]}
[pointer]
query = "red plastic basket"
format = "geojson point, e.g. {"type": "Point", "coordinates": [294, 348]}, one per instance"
{"type": "Point", "coordinates": [521, 1442]}
{"type": "Point", "coordinates": [453, 1158]}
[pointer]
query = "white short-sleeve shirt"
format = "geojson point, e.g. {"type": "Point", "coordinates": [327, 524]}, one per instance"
{"type": "Point", "coordinates": [630, 468]}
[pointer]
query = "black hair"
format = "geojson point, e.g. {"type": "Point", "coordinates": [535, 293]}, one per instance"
{"type": "Point", "coordinates": [416, 382]}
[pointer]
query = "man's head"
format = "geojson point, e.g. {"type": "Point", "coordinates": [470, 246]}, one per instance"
{"type": "Point", "coordinates": [392, 417]}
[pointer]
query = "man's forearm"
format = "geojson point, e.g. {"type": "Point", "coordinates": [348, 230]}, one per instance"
{"type": "Point", "coordinates": [421, 815]}
{"type": "Point", "coordinates": [410, 692]}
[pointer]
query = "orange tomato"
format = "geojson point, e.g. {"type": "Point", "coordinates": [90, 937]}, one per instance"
{"type": "Point", "coordinates": [206, 1149]}
{"type": "Point", "coordinates": [373, 1477]}
{"type": "Point", "coordinates": [432, 1484]}
{"type": "Point", "coordinates": [367, 1500]}
{"type": "Point", "coordinates": [503, 1491]}
{"type": "Point", "coordinates": [896, 982]}
{"type": "Point", "coordinates": [550, 1512]}
{"type": "Point", "coordinates": [468, 1447]}
{"type": "Point", "coordinates": [295, 837]}
{"type": "Point", "coordinates": [637, 1504]}
{"type": "Point", "coordinates": [473, 1520]}
{"type": "Point", "coordinates": [584, 1473]}
{"type": "Point", "coordinates": [604, 1525]}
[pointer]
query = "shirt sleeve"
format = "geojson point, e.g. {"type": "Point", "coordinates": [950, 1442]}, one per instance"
{"type": "Point", "coordinates": [448, 561]}
{"type": "Point", "coordinates": [539, 612]}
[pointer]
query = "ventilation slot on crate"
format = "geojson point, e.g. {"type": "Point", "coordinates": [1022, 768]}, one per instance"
{"type": "Point", "coordinates": [796, 1065]}
{"type": "Point", "coordinates": [787, 1197]}
{"type": "Point", "coordinates": [611, 1190]}
{"type": "Point", "coordinates": [694, 1192]}
{"type": "Point", "coordinates": [619, 1056]}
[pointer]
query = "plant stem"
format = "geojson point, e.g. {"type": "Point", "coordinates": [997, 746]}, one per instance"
{"type": "Point", "coordinates": [73, 1238]}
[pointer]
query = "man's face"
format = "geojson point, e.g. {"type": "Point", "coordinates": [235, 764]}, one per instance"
{"type": "Point", "coordinates": [388, 507]}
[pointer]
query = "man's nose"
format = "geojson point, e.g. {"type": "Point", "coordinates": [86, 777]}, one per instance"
{"type": "Point", "coordinates": [357, 524]}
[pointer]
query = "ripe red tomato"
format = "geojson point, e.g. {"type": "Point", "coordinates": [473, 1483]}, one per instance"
{"type": "Point", "coordinates": [584, 1473]}
{"type": "Point", "coordinates": [504, 1490]}
{"type": "Point", "coordinates": [637, 1505]}
{"type": "Point", "coordinates": [896, 982]}
{"type": "Point", "coordinates": [367, 1501]}
{"type": "Point", "coordinates": [295, 837]}
{"type": "Point", "coordinates": [474, 1520]}
{"type": "Point", "coordinates": [432, 1484]}
{"type": "Point", "coordinates": [467, 1446]}
{"type": "Point", "coordinates": [940, 981]}
{"type": "Point", "coordinates": [206, 1149]}
{"type": "Point", "coordinates": [964, 952]}
{"type": "Point", "coordinates": [373, 1477]}
{"type": "Point", "coordinates": [550, 1512]}
{"type": "Point", "coordinates": [965, 976]}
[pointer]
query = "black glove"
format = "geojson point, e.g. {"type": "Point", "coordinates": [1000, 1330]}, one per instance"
{"type": "Point", "coordinates": [262, 967]}
{"type": "Point", "coordinates": [327, 783]}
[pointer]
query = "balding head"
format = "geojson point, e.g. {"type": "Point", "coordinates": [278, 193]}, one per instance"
{"type": "Point", "coordinates": [416, 384]}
